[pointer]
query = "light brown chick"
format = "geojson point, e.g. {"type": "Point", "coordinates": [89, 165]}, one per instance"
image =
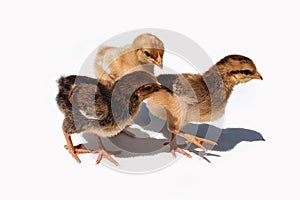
{"type": "Point", "coordinates": [145, 51]}
{"type": "Point", "coordinates": [199, 98]}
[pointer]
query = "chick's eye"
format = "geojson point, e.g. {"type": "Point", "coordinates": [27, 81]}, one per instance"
{"type": "Point", "coordinates": [148, 88]}
{"type": "Point", "coordinates": [147, 53]}
{"type": "Point", "coordinates": [246, 72]}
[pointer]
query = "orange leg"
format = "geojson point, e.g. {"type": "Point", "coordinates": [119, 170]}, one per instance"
{"type": "Point", "coordinates": [174, 147]}
{"type": "Point", "coordinates": [103, 153]}
{"type": "Point", "coordinates": [80, 150]}
{"type": "Point", "coordinates": [71, 147]}
{"type": "Point", "coordinates": [195, 140]}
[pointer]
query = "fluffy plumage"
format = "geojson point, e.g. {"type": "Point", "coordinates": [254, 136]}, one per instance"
{"type": "Point", "coordinates": [90, 106]}
{"type": "Point", "coordinates": [200, 98]}
{"type": "Point", "coordinates": [145, 51]}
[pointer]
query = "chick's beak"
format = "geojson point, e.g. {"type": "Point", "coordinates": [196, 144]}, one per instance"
{"type": "Point", "coordinates": [158, 61]}
{"type": "Point", "coordinates": [258, 76]}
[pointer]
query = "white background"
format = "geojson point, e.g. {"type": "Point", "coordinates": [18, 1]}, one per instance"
{"type": "Point", "coordinates": [40, 40]}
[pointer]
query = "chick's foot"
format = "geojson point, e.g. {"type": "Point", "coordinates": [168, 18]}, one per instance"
{"type": "Point", "coordinates": [71, 148]}
{"type": "Point", "coordinates": [174, 147]}
{"type": "Point", "coordinates": [79, 149]}
{"type": "Point", "coordinates": [196, 140]}
{"type": "Point", "coordinates": [74, 151]}
{"type": "Point", "coordinates": [102, 153]}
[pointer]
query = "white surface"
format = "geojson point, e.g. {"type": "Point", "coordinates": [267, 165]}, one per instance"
{"type": "Point", "coordinates": [42, 40]}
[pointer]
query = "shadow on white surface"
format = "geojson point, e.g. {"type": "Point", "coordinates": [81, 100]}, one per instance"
{"type": "Point", "coordinates": [144, 145]}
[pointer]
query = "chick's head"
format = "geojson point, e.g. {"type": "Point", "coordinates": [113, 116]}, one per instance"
{"type": "Point", "coordinates": [238, 68]}
{"type": "Point", "coordinates": [147, 90]}
{"type": "Point", "coordinates": [137, 86]}
{"type": "Point", "coordinates": [149, 49]}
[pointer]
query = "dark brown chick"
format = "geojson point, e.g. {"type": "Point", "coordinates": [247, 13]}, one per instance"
{"type": "Point", "coordinates": [145, 51]}
{"type": "Point", "coordinates": [199, 98]}
{"type": "Point", "coordinates": [90, 106]}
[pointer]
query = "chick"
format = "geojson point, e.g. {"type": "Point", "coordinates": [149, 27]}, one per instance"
{"type": "Point", "coordinates": [145, 51]}
{"type": "Point", "coordinates": [199, 98]}
{"type": "Point", "coordinates": [90, 106]}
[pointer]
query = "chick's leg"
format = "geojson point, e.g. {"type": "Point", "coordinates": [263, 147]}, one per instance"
{"type": "Point", "coordinates": [102, 153]}
{"type": "Point", "coordinates": [74, 150]}
{"type": "Point", "coordinates": [174, 147]}
{"type": "Point", "coordinates": [70, 147]}
{"type": "Point", "coordinates": [173, 124]}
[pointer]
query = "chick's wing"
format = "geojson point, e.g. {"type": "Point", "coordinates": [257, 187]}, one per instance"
{"type": "Point", "coordinates": [89, 102]}
{"type": "Point", "coordinates": [180, 87]}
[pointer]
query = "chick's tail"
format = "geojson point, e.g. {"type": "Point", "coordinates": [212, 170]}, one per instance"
{"type": "Point", "coordinates": [65, 88]}
{"type": "Point", "coordinates": [66, 85]}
